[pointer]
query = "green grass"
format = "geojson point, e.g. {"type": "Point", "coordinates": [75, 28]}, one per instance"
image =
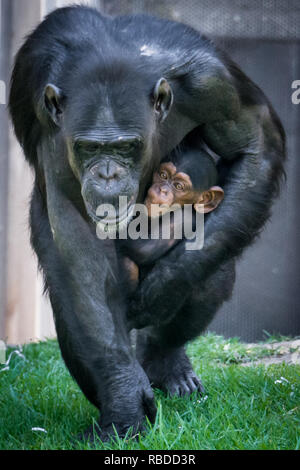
{"type": "Point", "coordinates": [254, 407]}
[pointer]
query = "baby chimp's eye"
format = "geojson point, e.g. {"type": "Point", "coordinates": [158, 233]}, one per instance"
{"type": "Point", "coordinates": [163, 175]}
{"type": "Point", "coordinates": [179, 186]}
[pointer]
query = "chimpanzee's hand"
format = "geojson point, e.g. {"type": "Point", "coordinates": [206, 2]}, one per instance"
{"type": "Point", "coordinates": [159, 297]}
{"type": "Point", "coordinates": [127, 400]}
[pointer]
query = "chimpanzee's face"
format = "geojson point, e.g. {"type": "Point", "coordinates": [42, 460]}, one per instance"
{"type": "Point", "coordinates": [110, 137]}
{"type": "Point", "coordinates": [108, 170]}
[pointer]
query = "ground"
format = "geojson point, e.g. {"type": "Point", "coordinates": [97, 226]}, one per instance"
{"type": "Point", "coordinates": [254, 407]}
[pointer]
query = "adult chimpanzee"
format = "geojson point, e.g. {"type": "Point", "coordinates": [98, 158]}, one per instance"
{"type": "Point", "coordinates": [181, 179]}
{"type": "Point", "coordinates": [96, 103]}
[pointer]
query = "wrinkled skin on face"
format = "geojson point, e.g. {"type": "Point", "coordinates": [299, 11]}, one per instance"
{"type": "Point", "coordinates": [106, 172]}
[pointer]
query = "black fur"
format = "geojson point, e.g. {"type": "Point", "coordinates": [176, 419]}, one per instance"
{"type": "Point", "coordinates": [105, 70]}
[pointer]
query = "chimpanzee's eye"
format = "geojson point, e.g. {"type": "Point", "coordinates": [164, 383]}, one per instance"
{"type": "Point", "coordinates": [179, 186]}
{"type": "Point", "coordinates": [163, 175]}
{"type": "Point", "coordinates": [87, 147]}
{"type": "Point", "coordinates": [91, 148]}
{"type": "Point", "coordinates": [126, 147]}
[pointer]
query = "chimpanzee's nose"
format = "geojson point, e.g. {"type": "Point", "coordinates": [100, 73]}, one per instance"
{"type": "Point", "coordinates": [108, 171]}
{"type": "Point", "coordinates": [105, 175]}
{"type": "Point", "coordinates": [105, 170]}
{"type": "Point", "coordinates": [164, 190]}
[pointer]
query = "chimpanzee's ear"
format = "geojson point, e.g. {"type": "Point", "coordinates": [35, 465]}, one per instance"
{"type": "Point", "coordinates": [54, 99]}
{"type": "Point", "coordinates": [163, 98]}
{"type": "Point", "coordinates": [209, 200]}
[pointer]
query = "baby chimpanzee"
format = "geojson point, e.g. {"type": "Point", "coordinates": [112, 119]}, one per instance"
{"type": "Point", "coordinates": [187, 180]}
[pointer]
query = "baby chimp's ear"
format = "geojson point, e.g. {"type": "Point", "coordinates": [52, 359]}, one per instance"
{"type": "Point", "coordinates": [209, 200]}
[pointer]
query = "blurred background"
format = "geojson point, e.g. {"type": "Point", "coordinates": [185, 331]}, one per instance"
{"type": "Point", "coordinates": [263, 37]}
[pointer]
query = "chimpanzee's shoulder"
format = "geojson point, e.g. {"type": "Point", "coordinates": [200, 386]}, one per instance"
{"type": "Point", "coordinates": [170, 48]}
{"type": "Point", "coordinates": [164, 33]}
{"type": "Point", "coordinates": [71, 25]}
{"type": "Point", "coordinates": [164, 45]}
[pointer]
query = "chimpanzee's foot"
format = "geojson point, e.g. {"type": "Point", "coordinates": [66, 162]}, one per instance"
{"type": "Point", "coordinates": [170, 371]}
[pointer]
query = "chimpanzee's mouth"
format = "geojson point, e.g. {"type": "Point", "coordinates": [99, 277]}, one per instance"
{"type": "Point", "coordinates": [119, 222]}
{"type": "Point", "coordinates": [112, 219]}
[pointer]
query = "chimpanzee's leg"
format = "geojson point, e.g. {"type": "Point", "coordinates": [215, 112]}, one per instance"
{"type": "Point", "coordinates": [161, 351]}
{"type": "Point", "coordinates": [81, 274]}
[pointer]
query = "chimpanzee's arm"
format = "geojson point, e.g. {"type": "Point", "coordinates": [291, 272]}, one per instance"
{"type": "Point", "coordinates": [252, 142]}
{"type": "Point", "coordinates": [82, 278]}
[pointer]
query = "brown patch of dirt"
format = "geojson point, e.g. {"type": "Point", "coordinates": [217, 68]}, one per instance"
{"type": "Point", "coordinates": [284, 351]}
